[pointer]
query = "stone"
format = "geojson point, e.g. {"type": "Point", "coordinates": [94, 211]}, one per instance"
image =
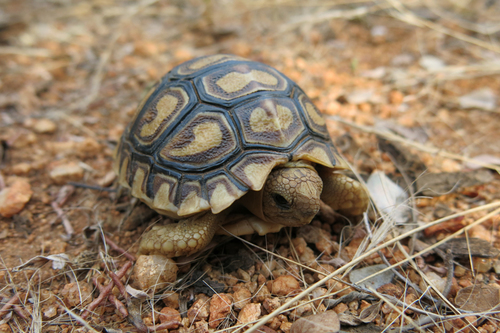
{"type": "Point", "coordinates": [64, 173]}
{"type": "Point", "coordinates": [220, 307]}
{"type": "Point", "coordinates": [200, 309]}
{"type": "Point", "coordinates": [167, 314]}
{"type": "Point", "coordinates": [44, 126]}
{"type": "Point", "coordinates": [15, 197]}
{"type": "Point", "coordinates": [285, 285]}
{"type": "Point", "coordinates": [241, 298]}
{"type": "Point", "coordinates": [250, 313]}
{"type": "Point", "coordinates": [76, 293]}
{"type": "Point", "coordinates": [153, 272]}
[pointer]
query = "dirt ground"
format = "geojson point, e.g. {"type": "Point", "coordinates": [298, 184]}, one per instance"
{"type": "Point", "coordinates": [408, 88]}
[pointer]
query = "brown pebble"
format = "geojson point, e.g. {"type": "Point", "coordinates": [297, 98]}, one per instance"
{"type": "Point", "coordinates": [76, 293]}
{"type": "Point", "coordinates": [44, 126]}
{"type": "Point", "coordinates": [250, 312]}
{"type": "Point", "coordinates": [64, 173]}
{"type": "Point", "coordinates": [168, 314]}
{"type": "Point", "coordinates": [220, 307]}
{"type": "Point", "coordinates": [241, 298]}
{"type": "Point", "coordinates": [200, 309]}
{"type": "Point", "coordinates": [153, 272]}
{"type": "Point", "coordinates": [15, 197]}
{"type": "Point", "coordinates": [285, 285]}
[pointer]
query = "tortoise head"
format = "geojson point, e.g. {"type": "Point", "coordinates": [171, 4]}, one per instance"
{"type": "Point", "coordinates": [291, 195]}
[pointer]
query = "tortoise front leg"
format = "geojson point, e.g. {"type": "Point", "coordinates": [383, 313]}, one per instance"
{"type": "Point", "coordinates": [344, 194]}
{"type": "Point", "coordinates": [183, 238]}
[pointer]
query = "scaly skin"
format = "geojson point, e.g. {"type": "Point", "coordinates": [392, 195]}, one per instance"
{"type": "Point", "coordinates": [186, 237]}
{"type": "Point", "coordinates": [290, 197]}
{"type": "Point", "coordinates": [344, 194]}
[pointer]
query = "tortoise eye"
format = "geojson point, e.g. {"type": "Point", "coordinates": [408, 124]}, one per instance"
{"type": "Point", "coordinates": [281, 201]}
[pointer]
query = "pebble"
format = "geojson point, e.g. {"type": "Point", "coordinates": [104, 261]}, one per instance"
{"type": "Point", "coordinates": [153, 272]}
{"type": "Point", "coordinates": [200, 309]}
{"type": "Point", "coordinates": [5, 328]}
{"type": "Point", "coordinates": [436, 280]}
{"type": "Point", "coordinates": [64, 173]}
{"type": "Point", "coordinates": [220, 307]}
{"type": "Point", "coordinates": [167, 314]}
{"type": "Point", "coordinates": [171, 299]}
{"type": "Point", "coordinates": [326, 322]}
{"type": "Point", "coordinates": [21, 168]}
{"type": "Point", "coordinates": [241, 298]}
{"type": "Point", "coordinates": [76, 293]}
{"type": "Point", "coordinates": [250, 312]}
{"type": "Point", "coordinates": [360, 96]}
{"type": "Point", "coordinates": [44, 126]}
{"type": "Point", "coordinates": [431, 63]}
{"type": "Point", "coordinates": [15, 197]}
{"type": "Point", "coordinates": [285, 285]}
{"type": "Point", "coordinates": [271, 304]}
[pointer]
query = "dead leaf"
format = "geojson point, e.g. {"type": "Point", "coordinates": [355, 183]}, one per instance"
{"type": "Point", "coordinates": [326, 322]}
{"type": "Point", "coordinates": [478, 298]}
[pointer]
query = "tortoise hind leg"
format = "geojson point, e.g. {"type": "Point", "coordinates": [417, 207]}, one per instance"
{"type": "Point", "coordinates": [183, 238]}
{"type": "Point", "coordinates": [344, 194]}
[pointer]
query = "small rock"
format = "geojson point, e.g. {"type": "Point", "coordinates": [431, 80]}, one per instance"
{"type": "Point", "coordinates": [5, 328]}
{"type": "Point", "coordinates": [403, 59]}
{"type": "Point", "coordinates": [376, 73]}
{"type": "Point", "coordinates": [271, 304]}
{"type": "Point", "coordinates": [153, 272]}
{"type": "Point", "coordinates": [201, 327]}
{"type": "Point", "coordinates": [483, 98]}
{"type": "Point", "coordinates": [76, 293]}
{"type": "Point", "coordinates": [285, 285]}
{"type": "Point", "coordinates": [241, 298]}
{"type": "Point", "coordinates": [435, 280]}
{"type": "Point", "coordinates": [249, 313]}
{"type": "Point", "coordinates": [168, 314]}
{"type": "Point", "coordinates": [326, 322]}
{"type": "Point", "coordinates": [262, 294]}
{"type": "Point", "coordinates": [171, 299]}
{"type": "Point", "coordinates": [49, 311]}
{"type": "Point", "coordinates": [220, 307]}
{"type": "Point", "coordinates": [64, 173]}
{"type": "Point", "coordinates": [44, 126]}
{"type": "Point", "coordinates": [15, 197]}
{"type": "Point", "coordinates": [199, 310]}
{"type": "Point", "coordinates": [431, 63]}
{"type": "Point", "coordinates": [21, 168]}
{"type": "Point", "coordinates": [482, 265]}
{"type": "Point", "coordinates": [378, 30]}
{"type": "Point", "coordinates": [360, 96]}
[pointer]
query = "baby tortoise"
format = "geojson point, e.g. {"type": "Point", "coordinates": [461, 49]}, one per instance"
{"type": "Point", "coordinates": [222, 134]}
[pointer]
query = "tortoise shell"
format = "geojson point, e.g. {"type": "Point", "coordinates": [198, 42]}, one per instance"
{"type": "Point", "coordinates": [212, 129]}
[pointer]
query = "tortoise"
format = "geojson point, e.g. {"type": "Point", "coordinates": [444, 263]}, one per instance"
{"type": "Point", "coordinates": [221, 134]}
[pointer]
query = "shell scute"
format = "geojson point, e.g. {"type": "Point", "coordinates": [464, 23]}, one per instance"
{"type": "Point", "coordinates": [204, 140]}
{"type": "Point", "coordinates": [160, 113]}
{"type": "Point", "coordinates": [230, 84]}
{"type": "Point", "coordinates": [271, 121]}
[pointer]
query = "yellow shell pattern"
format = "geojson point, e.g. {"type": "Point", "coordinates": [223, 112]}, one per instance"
{"type": "Point", "coordinates": [212, 129]}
